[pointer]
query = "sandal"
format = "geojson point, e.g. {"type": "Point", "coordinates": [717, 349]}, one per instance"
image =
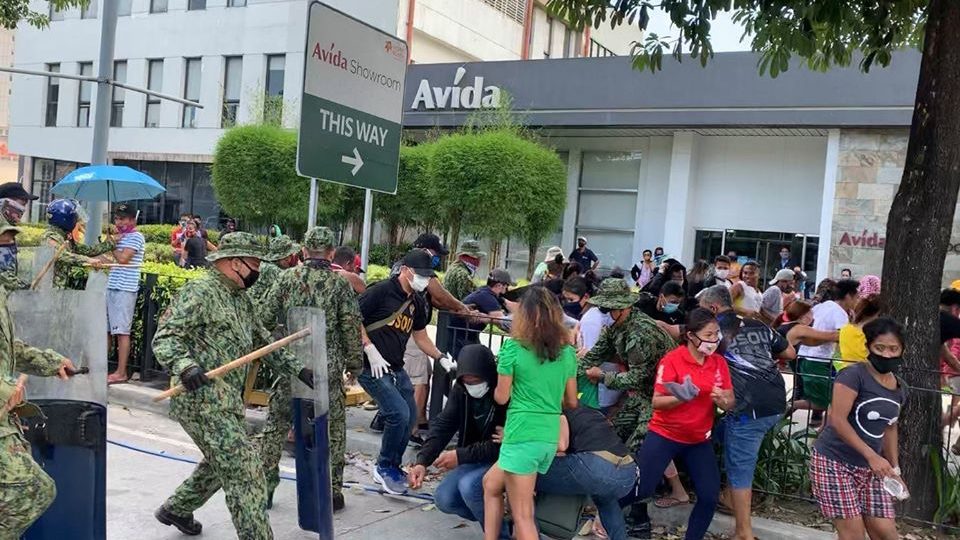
{"type": "Point", "coordinates": [669, 502]}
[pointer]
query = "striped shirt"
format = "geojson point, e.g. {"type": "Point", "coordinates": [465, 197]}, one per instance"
{"type": "Point", "coordinates": [128, 279]}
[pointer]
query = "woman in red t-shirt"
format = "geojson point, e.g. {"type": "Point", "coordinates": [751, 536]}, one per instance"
{"type": "Point", "coordinates": [692, 381]}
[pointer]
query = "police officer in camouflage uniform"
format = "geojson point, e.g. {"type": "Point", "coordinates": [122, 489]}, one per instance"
{"type": "Point", "coordinates": [459, 277]}
{"type": "Point", "coordinates": [63, 216]}
{"type": "Point", "coordinates": [315, 284]}
{"type": "Point", "coordinates": [210, 322]}
{"type": "Point", "coordinates": [635, 341]}
{"type": "Point", "coordinates": [25, 489]}
{"type": "Point", "coordinates": [283, 254]}
{"type": "Point", "coordinates": [13, 203]}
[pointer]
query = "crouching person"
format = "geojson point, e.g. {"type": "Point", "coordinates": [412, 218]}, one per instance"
{"type": "Point", "coordinates": [592, 460]}
{"type": "Point", "coordinates": [470, 411]}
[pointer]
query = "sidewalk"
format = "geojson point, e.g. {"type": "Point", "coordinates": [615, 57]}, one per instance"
{"type": "Point", "coordinates": [361, 440]}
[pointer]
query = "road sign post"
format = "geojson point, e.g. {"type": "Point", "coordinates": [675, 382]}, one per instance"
{"type": "Point", "coordinates": [352, 102]}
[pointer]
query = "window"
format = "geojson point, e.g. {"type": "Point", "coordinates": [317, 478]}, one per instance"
{"type": "Point", "coordinates": [55, 14]}
{"type": "Point", "coordinates": [549, 50]}
{"type": "Point", "coordinates": [83, 99]}
{"type": "Point", "coordinates": [236, 3]}
{"type": "Point", "coordinates": [188, 189]}
{"type": "Point", "coordinates": [155, 83]}
{"type": "Point", "coordinates": [196, 4]}
{"type": "Point", "coordinates": [116, 104]}
{"type": "Point", "coordinates": [515, 9]}
{"type": "Point", "coordinates": [123, 7]}
{"type": "Point", "coordinates": [606, 211]}
{"type": "Point", "coordinates": [273, 104]}
{"type": "Point", "coordinates": [158, 6]}
{"type": "Point", "coordinates": [46, 173]}
{"type": "Point", "coordinates": [191, 91]}
{"type": "Point", "coordinates": [232, 73]}
{"type": "Point", "coordinates": [53, 96]}
{"type": "Point", "coordinates": [89, 11]}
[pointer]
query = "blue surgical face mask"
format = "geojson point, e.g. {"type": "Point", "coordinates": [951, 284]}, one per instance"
{"type": "Point", "coordinates": [435, 261]}
{"type": "Point", "coordinates": [670, 307]}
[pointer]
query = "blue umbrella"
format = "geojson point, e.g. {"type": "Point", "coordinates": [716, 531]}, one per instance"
{"type": "Point", "coordinates": [107, 183]}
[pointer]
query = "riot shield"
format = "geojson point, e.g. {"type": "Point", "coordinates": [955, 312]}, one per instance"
{"type": "Point", "coordinates": [70, 442]}
{"type": "Point", "coordinates": [97, 281]}
{"type": "Point", "coordinates": [311, 426]}
{"type": "Point", "coordinates": [41, 275]}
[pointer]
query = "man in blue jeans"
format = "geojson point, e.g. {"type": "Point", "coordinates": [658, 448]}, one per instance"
{"type": "Point", "coordinates": [470, 411]}
{"type": "Point", "coordinates": [751, 349]}
{"type": "Point", "coordinates": [392, 313]}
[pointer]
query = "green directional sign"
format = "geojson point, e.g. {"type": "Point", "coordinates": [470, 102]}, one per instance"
{"type": "Point", "coordinates": [352, 102]}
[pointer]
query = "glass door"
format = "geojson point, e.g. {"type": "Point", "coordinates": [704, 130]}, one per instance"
{"type": "Point", "coordinates": [763, 247]}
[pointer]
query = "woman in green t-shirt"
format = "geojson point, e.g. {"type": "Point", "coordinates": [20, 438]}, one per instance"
{"type": "Point", "coordinates": [537, 374]}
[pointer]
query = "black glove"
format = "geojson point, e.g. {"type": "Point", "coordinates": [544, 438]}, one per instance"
{"type": "Point", "coordinates": [306, 375]}
{"type": "Point", "coordinates": [193, 378]}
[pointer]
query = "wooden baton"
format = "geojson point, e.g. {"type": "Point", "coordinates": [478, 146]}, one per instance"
{"type": "Point", "coordinates": [22, 379]}
{"type": "Point", "coordinates": [46, 268]}
{"type": "Point", "coordinates": [239, 362]}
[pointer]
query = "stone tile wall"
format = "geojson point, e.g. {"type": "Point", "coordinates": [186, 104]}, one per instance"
{"type": "Point", "coordinates": [870, 164]}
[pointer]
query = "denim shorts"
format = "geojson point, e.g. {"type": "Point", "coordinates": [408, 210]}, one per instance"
{"type": "Point", "coordinates": [527, 457]}
{"type": "Point", "coordinates": [741, 443]}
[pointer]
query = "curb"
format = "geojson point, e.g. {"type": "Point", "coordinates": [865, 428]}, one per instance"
{"type": "Point", "coordinates": [723, 524]}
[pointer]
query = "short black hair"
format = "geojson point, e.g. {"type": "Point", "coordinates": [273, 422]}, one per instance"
{"type": "Point", "coordinates": [647, 251]}
{"type": "Point", "coordinates": [576, 285]}
{"type": "Point", "coordinates": [721, 259]}
{"type": "Point", "coordinates": [880, 326]}
{"type": "Point", "coordinates": [950, 298]}
{"type": "Point", "coordinates": [344, 255]}
{"type": "Point", "coordinates": [697, 320]}
{"type": "Point", "coordinates": [672, 288]}
{"type": "Point", "coordinates": [846, 287]}
{"type": "Point", "coordinates": [785, 247]}
{"type": "Point", "coordinates": [847, 270]}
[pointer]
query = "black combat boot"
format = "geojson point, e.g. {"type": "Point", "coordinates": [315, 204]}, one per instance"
{"type": "Point", "coordinates": [338, 502]}
{"type": "Point", "coordinates": [186, 524]}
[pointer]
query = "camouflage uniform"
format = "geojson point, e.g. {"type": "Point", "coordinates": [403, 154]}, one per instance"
{"type": "Point", "coordinates": [209, 323]}
{"type": "Point", "coordinates": [280, 248]}
{"type": "Point", "coordinates": [9, 265]}
{"type": "Point", "coordinates": [25, 490]}
{"type": "Point", "coordinates": [459, 277]}
{"type": "Point", "coordinates": [638, 343]}
{"type": "Point", "coordinates": [75, 254]}
{"type": "Point", "coordinates": [315, 285]}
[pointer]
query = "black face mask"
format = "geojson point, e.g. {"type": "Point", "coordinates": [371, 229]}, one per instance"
{"type": "Point", "coordinates": [251, 278]}
{"type": "Point", "coordinates": [883, 364]}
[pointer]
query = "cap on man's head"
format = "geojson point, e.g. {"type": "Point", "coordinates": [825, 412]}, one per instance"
{"type": "Point", "coordinates": [319, 239]}
{"type": "Point", "coordinates": [124, 210]}
{"type": "Point", "coordinates": [783, 275]}
{"type": "Point", "coordinates": [281, 247]}
{"type": "Point", "coordinates": [499, 275]}
{"type": "Point", "coordinates": [420, 262]}
{"type": "Point", "coordinates": [582, 239]}
{"type": "Point", "coordinates": [14, 190]}
{"type": "Point", "coordinates": [472, 248]}
{"type": "Point", "coordinates": [431, 242]}
{"type": "Point", "coordinates": [239, 244]}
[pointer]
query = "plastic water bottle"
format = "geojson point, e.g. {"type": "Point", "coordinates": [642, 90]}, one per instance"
{"type": "Point", "coordinates": [895, 488]}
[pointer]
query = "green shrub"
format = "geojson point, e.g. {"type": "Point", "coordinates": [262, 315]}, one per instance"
{"type": "Point", "coordinates": [377, 272]}
{"type": "Point", "coordinates": [29, 236]}
{"type": "Point", "coordinates": [386, 255]}
{"type": "Point", "coordinates": [159, 234]}
{"type": "Point", "coordinates": [158, 253]}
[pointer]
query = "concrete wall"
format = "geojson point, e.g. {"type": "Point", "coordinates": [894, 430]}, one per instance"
{"type": "Point", "coordinates": [869, 168]}
{"type": "Point", "coordinates": [462, 31]}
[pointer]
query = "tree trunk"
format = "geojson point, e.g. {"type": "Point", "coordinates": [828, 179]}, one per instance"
{"type": "Point", "coordinates": [453, 241]}
{"type": "Point", "coordinates": [394, 230]}
{"type": "Point", "coordinates": [918, 235]}
{"type": "Point", "coordinates": [494, 257]}
{"type": "Point", "coordinates": [532, 258]}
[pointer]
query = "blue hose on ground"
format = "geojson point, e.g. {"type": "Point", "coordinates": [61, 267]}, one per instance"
{"type": "Point", "coordinates": [372, 489]}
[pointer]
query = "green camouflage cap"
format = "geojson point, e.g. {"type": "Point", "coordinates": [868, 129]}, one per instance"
{"type": "Point", "coordinates": [472, 248]}
{"type": "Point", "coordinates": [613, 293]}
{"type": "Point", "coordinates": [239, 244]}
{"type": "Point", "coordinates": [282, 247]}
{"type": "Point", "coordinates": [319, 239]}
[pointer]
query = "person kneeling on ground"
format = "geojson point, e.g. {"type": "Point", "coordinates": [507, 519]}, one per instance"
{"type": "Point", "coordinates": [471, 412]}
{"type": "Point", "coordinates": [592, 460]}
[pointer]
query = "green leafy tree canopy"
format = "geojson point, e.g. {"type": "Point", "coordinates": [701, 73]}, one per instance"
{"type": "Point", "coordinates": [14, 11]}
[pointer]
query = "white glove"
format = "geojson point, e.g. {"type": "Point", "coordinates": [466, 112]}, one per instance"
{"type": "Point", "coordinates": [378, 364]}
{"type": "Point", "coordinates": [448, 362]}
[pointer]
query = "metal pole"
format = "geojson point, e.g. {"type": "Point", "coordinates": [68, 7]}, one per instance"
{"type": "Point", "coordinates": [101, 118]}
{"type": "Point", "coordinates": [312, 217]}
{"type": "Point", "coordinates": [365, 234]}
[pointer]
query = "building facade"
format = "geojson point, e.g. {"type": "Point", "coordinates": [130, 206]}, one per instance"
{"type": "Point", "coordinates": [241, 59]}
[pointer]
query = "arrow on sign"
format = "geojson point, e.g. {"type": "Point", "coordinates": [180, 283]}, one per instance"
{"type": "Point", "coordinates": [356, 161]}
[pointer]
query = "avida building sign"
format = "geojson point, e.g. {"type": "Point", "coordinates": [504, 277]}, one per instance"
{"type": "Point", "coordinates": [473, 96]}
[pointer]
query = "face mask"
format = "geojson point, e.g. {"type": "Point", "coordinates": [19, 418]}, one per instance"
{"type": "Point", "coordinates": [435, 261]}
{"type": "Point", "coordinates": [883, 364]}
{"type": "Point", "coordinates": [12, 211]}
{"type": "Point", "coordinates": [670, 307]}
{"type": "Point", "coordinates": [573, 309]}
{"type": "Point", "coordinates": [419, 283]}
{"type": "Point", "coordinates": [709, 347]}
{"type": "Point", "coordinates": [477, 391]}
{"type": "Point", "coordinates": [251, 278]}
{"type": "Point", "coordinates": [722, 274]}
{"type": "Point", "coordinates": [191, 234]}
{"type": "Point", "coordinates": [581, 245]}
{"type": "Point", "coordinates": [125, 229]}
{"type": "Point", "coordinates": [784, 256]}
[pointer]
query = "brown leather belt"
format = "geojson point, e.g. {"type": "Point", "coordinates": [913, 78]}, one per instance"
{"type": "Point", "coordinates": [613, 458]}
